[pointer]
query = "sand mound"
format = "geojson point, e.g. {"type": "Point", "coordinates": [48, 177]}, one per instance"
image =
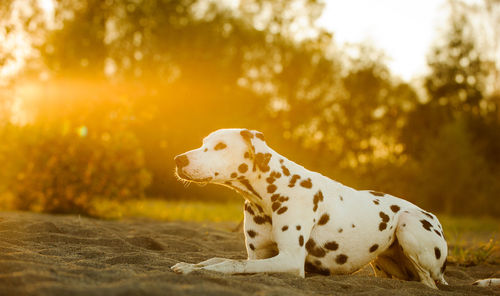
{"type": "Point", "coordinates": [68, 255]}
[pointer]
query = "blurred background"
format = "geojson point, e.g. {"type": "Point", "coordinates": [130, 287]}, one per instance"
{"type": "Point", "coordinates": [97, 97]}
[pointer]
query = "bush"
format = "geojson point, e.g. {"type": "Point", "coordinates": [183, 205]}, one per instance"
{"type": "Point", "coordinates": [65, 171]}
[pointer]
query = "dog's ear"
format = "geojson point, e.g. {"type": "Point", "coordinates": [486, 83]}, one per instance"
{"type": "Point", "coordinates": [247, 137]}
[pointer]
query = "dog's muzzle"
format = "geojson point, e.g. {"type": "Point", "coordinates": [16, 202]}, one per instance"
{"type": "Point", "coordinates": [183, 161]}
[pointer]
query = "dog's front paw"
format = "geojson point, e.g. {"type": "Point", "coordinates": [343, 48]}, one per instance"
{"type": "Point", "coordinates": [184, 268]}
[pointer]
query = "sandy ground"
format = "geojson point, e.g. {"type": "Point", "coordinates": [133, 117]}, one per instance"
{"type": "Point", "coordinates": [68, 255]}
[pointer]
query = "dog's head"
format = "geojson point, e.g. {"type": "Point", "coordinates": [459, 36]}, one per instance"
{"type": "Point", "coordinates": [225, 155]}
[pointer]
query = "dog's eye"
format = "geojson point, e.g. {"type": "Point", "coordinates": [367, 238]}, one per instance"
{"type": "Point", "coordinates": [220, 146]}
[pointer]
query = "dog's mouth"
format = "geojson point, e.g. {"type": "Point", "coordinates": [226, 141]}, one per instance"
{"type": "Point", "coordinates": [185, 177]}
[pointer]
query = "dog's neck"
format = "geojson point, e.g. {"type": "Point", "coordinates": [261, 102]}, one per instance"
{"type": "Point", "coordinates": [254, 185]}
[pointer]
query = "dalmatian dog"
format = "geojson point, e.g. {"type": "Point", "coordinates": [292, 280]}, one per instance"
{"type": "Point", "coordinates": [296, 220]}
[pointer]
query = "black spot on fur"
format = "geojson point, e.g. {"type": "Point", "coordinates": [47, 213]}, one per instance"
{"type": "Point", "coordinates": [284, 228]}
{"type": "Point", "coordinates": [301, 240]}
{"type": "Point", "coordinates": [317, 198]}
{"type": "Point", "coordinates": [376, 193]}
{"type": "Point", "coordinates": [382, 226]}
{"type": "Point", "coordinates": [314, 250]}
{"type": "Point", "coordinates": [306, 183]}
{"type": "Point", "coordinates": [282, 210]}
{"type": "Point", "coordinates": [220, 146]}
{"type": "Point", "coordinates": [426, 224]}
{"type": "Point", "coordinates": [332, 246]}
{"type": "Point", "coordinates": [384, 217]}
{"type": "Point", "coordinates": [251, 247]}
{"type": "Point", "coordinates": [395, 208]}
{"type": "Point", "coordinates": [373, 248]}
{"type": "Point", "coordinates": [293, 180]}
{"type": "Point", "coordinates": [341, 259]}
{"type": "Point", "coordinates": [252, 233]}
{"type": "Point", "coordinates": [298, 227]}
{"type": "Point", "coordinates": [437, 252]}
{"type": "Point", "coordinates": [286, 172]}
{"type": "Point", "coordinates": [243, 168]}
{"type": "Point", "coordinates": [271, 188]}
{"type": "Point", "coordinates": [324, 219]}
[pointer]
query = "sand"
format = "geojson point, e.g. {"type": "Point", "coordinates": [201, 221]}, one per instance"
{"type": "Point", "coordinates": [68, 255]}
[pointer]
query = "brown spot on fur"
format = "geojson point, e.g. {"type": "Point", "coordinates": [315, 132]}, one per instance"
{"type": "Point", "coordinates": [341, 198]}
{"type": "Point", "coordinates": [309, 267]}
{"type": "Point", "coordinates": [276, 206]}
{"type": "Point", "coordinates": [249, 209]}
{"type": "Point", "coordinates": [301, 240]}
{"type": "Point", "coordinates": [246, 134]}
{"type": "Point", "coordinates": [227, 182]}
{"type": "Point", "coordinates": [252, 247]}
{"type": "Point", "coordinates": [262, 219]}
{"type": "Point", "coordinates": [437, 232]}
{"type": "Point", "coordinates": [382, 226]}
{"type": "Point", "coordinates": [376, 193]}
{"type": "Point", "coordinates": [376, 201]}
{"type": "Point", "coordinates": [246, 155]}
{"type": "Point", "coordinates": [314, 250]}
{"type": "Point", "coordinates": [252, 233]}
{"type": "Point", "coordinates": [234, 175]}
{"type": "Point", "coordinates": [298, 227]}
{"type": "Point", "coordinates": [220, 146]}
{"type": "Point", "coordinates": [317, 198]}
{"type": "Point", "coordinates": [271, 188]}
{"type": "Point", "coordinates": [437, 252]}
{"type": "Point", "coordinates": [427, 214]}
{"type": "Point", "coordinates": [293, 180]}
{"type": "Point", "coordinates": [260, 135]}
{"type": "Point", "coordinates": [395, 208]}
{"type": "Point", "coordinates": [284, 228]}
{"type": "Point", "coordinates": [384, 217]}
{"type": "Point", "coordinates": [274, 197]}
{"type": "Point", "coordinates": [262, 161]}
{"type": "Point", "coordinates": [282, 210]}
{"type": "Point", "coordinates": [426, 224]}
{"type": "Point", "coordinates": [341, 259]}
{"type": "Point", "coordinates": [332, 246]}
{"type": "Point", "coordinates": [286, 172]}
{"type": "Point", "coordinates": [306, 183]}
{"type": "Point", "coordinates": [373, 248]}
{"type": "Point", "coordinates": [243, 168]}
{"type": "Point", "coordinates": [247, 184]}
{"type": "Point", "coordinates": [324, 219]}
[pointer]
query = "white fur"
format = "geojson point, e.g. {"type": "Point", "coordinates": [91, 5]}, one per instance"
{"type": "Point", "coordinates": [362, 226]}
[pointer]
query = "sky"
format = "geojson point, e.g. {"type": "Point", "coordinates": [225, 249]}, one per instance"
{"type": "Point", "coordinates": [404, 30]}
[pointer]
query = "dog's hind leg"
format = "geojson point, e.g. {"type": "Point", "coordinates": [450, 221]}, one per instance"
{"type": "Point", "coordinates": [421, 239]}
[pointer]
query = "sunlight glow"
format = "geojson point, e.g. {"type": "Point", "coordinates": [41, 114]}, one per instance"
{"type": "Point", "coordinates": [404, 30]}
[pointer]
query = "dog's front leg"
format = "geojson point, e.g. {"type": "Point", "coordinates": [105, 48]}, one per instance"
{"type": "Point", "coordinates": [283, 262]}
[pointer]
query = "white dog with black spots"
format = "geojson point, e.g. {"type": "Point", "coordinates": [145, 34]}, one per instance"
{"type": "Point", "coordinates": [296, 220]}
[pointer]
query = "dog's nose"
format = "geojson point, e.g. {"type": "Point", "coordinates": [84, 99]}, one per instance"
{"type": "Point", "coordinates": [181, 161]}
